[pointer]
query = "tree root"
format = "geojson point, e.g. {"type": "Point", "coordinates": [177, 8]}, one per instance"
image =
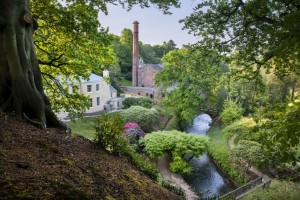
{"type": "Point", "coordinates": [37, 123]}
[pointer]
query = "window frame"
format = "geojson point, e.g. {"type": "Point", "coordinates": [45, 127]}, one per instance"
{"type": "Point", "coordinates": [89, 88]}
{"type": "Point", "coordinates": [98, 101]}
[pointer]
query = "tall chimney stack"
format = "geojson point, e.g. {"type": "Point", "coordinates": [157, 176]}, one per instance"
{"type": "Point", "coordinates": [135, 53]}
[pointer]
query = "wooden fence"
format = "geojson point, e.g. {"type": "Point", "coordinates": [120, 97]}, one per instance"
{"type": "Point", "coordinates": [241, 191]}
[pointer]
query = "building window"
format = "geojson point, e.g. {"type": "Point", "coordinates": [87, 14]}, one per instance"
{"type": "Point", "coordinates": [91, 102]}
{"type": "Point", "coordinates": [98, 101]}
{"type": "Point", "coordinates": [89, 88]}
{"type": "Point", "coordinates": [97, 87]}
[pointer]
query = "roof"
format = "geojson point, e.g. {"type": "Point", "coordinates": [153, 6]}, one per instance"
{"type": "Point", "coordinates": [93, 78]}
{"type": "Point", "coordinates": [155, 66]}
{"type": "Point", "coordinates": [112, 89]}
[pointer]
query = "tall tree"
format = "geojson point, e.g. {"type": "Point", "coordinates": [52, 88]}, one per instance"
{"type": "Point", "coordinates": [21, 89]}
{"type": "Point", "coordinates": [260, 33]}
{"type": "Point", "coordinates": [193, 75]}
{"type": "Point", "coordinates": [126, 37]}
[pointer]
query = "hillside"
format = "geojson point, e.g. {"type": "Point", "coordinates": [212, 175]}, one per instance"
{"type": "Point", "coordinates": [50, 164]}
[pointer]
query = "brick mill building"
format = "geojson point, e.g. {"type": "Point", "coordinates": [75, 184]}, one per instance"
{"type": "Point", "coordinates": [146, 74]}
{"type": "Point", "coordinates": [143, 75]}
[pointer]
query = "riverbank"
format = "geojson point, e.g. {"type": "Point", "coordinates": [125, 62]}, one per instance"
{"type": "Point", "coordinates": [221, 158]}
{"type": "Point", "coordinates": [177, 180]}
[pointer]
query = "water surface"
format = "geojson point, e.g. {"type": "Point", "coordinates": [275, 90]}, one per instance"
{"type": "Point", "coordinates": [205, 178]}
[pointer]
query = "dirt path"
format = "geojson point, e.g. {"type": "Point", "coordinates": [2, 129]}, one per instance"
{"type": "Point", "coordinates": [163, 165]}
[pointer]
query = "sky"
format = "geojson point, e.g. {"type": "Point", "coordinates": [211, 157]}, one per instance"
{"type": "Point", "coordinates": [154, 26]}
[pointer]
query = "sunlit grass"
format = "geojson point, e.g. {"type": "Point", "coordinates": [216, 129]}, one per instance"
{"type": "Point", "coordinates": [125, 82]}
{"type": "Point", "coordinates": [84, 127]}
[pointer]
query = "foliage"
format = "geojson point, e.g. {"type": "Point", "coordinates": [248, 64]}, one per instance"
{"type": "Point", "coordinates": [248, 153]}
{"type": "Point", "coordinates": [137, 101]}
{"type": "Point", "coordinates": [146, 118]}
{"type": "Point", "coordinates": [277, 190]}
{"type": "Point", "coordinates": [145, 165]}
{"type": "Point", "coordinates": [123, 51]}
{"type": "Point", "coordinates": [218, 149]}
{"type": "Point", "coordinates": [193, 75]}
{"type": "Point", "coordinates": [109, 128]}
{"type": "Point", "coordinates": [175, 144]}
{"type": "Point", "coordinates": [177, 190]}
{"type": "Point", "coordinates": [147, 53]}
{"type": "Point", "coordinates": [240, 129]}
{"type": "Point", "coordinates": [279, 131]}
{"type": "Point", "coordinates": [257, 34]}
{"type": "Point", "coordinates": [128, 76]}
{"type": "Point", "coordinates": [231, 112]}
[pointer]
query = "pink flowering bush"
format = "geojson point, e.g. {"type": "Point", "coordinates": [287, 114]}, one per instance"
{"type": "Point", "coordinates": [129, 125]}
{"type": "Point", "coordinates": [133, 133]}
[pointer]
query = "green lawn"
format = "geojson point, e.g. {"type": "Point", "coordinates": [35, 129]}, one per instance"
{"type": "Point", "coordinates": [84, 127]}
{"type": "Point", "coordinates": [125, 82]}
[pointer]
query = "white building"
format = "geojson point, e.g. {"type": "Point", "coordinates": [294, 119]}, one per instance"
{"type": "Point", "coordinates": [102, 96]}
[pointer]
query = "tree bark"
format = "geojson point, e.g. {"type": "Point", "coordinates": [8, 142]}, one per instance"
{"type": "Point", "coordinates": [21, 89]}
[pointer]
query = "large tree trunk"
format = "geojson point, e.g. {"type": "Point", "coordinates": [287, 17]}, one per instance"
{"type": "Point", "coordinates": [21, 89]}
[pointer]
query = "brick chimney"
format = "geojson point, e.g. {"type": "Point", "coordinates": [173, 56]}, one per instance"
{"type": "Point", "coordinates": [135, 54]}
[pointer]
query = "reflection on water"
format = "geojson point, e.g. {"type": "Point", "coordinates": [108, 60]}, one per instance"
{"type": "Point", "coordinates": [205, 179]}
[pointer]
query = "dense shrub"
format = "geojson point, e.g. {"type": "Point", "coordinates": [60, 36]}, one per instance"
{"type": "Point", "coordinates": [279, 132]}
{"type": "Point", "coordinates": [137, 101]}
{"type": "Point", "coordinates": [109, 128]}
{"type": "Point", "coordinates": [248, 153]}
{"type": "Point", "coordinates": [241, 129]}
{"type": "Point", "coordinates": [145, 165]}
{"type": "Point", "coordinates": [146, 118]}
{"type": "Point", "coordinates": [128, 76]}
{"type": "Point", "coordinates": [176, 144]}
{"type": "Point", "coordinates": [231, 112]}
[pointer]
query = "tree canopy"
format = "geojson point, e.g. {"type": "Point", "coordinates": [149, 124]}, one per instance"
{"type": "Point", "coordinates": [189, 78]}
{"type": "Point", "coordinates": [257, 34]}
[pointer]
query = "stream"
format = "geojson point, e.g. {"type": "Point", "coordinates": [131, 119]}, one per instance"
{"type": "Point", "coordinates": [205, 178]}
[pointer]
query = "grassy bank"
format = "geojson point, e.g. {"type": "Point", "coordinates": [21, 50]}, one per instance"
{"type": "Point", "coordinates": [125, 82]}
{"type": "Point", "coordinates": [84, 127]}
{"type": "Point", "coordinates": [219, 150]}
